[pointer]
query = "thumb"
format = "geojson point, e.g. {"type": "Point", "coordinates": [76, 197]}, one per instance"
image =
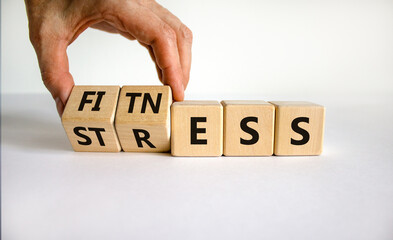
{"type": "Point", "coordinates": [53, 61]}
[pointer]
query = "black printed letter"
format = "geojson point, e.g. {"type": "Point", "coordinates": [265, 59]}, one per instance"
{"type": "Point", "coordinates": [156, 107]}
{"type": "Point", "coordinates": [301, 131]}
{"type": "Point", "coordinates": [85, 100]}
{"type": "Point", "coordinates": [139, 139]}
{"type": "Point", "coordinates": [98, 133]}
{"type": "Point", "coordinates": [132, 100]}
{"type": "Point", "coordinates": [247, 129]}
{"type": "Point", "coordinates": [99, 98]}
{"type": "Point", "coordinates": [195, 130]}
{"type": "Point", "coordinates": [77, 133]}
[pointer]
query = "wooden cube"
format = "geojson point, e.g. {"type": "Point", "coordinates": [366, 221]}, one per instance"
{"type": "Point", "coordinates": [88, 118]}
{"type": "Point", "coordinates": [299, 128]}
{"type": "Point", "coordinates": [143, 118]}
{"type": "Point", "coordinates": [248, 128]}
{"type": "Point", "coordinates": [197, 128]}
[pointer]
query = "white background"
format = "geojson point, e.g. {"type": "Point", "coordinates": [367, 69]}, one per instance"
{"type": "Point", "coordinates": [335, 53]}
{"type": "Point", "coordinates": [245, 49]}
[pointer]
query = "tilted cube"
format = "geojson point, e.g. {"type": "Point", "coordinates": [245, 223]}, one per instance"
{"type": "Point", "coordinates": [88, 118]}
{"type": "Point", "coordinates": [143, 118]}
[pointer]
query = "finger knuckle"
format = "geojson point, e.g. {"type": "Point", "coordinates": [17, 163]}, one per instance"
{"type": "Point", "coordinates": [168, 33]}
{"type": "Point", "coordinates": [38, 35]}
{"type": "Point", "coordinates": [48, 77]}
{"type": "Point", "coordinates": [34, 38]}
{"type": "Point", "coordinates": [186, 33]}
{"type": "Point", "coordinates": [145, 3]}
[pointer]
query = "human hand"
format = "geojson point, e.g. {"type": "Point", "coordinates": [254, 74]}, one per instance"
{"type": "Point", "coordinates": [55, 24]}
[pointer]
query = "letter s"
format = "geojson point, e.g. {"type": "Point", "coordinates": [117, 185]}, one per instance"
{"type": "Point", "coordinates": [301, 131]}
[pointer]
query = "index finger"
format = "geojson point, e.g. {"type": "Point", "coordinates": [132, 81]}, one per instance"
{"type": "Point", "coordinates": [149, 29]}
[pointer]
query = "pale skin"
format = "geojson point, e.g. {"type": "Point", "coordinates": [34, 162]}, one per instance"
{"type": "Point", "coordinates": [55, 24]}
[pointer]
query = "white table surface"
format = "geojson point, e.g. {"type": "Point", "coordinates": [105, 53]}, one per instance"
{"type": "Point", "coordinates": [51, 192]}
